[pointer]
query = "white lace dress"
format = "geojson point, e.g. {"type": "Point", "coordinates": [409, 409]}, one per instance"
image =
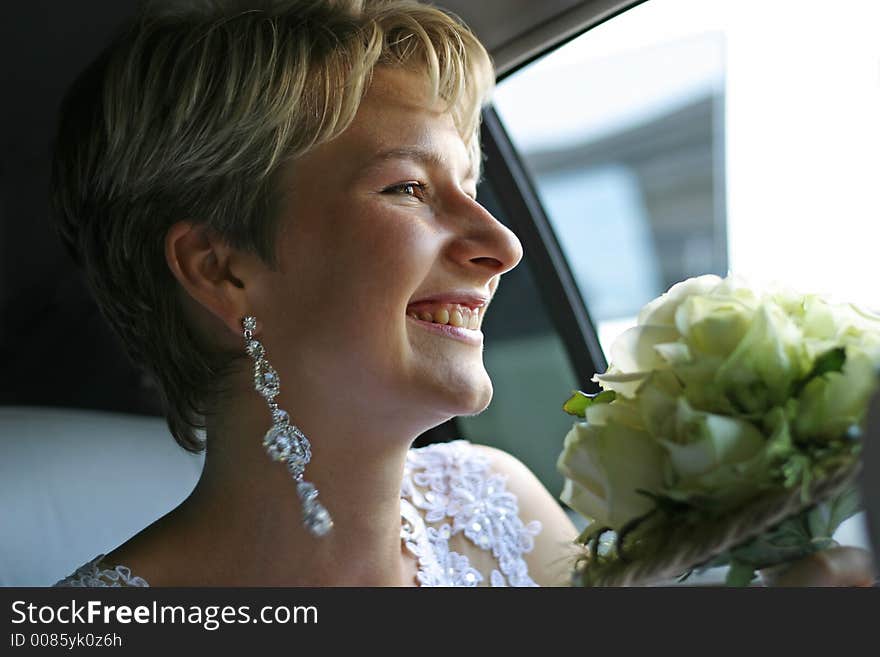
{"type": "Point", "coordinates": [450, 502]}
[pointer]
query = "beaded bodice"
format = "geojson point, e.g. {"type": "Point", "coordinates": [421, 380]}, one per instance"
{"type": "Point", "coordinates": [451, 502]}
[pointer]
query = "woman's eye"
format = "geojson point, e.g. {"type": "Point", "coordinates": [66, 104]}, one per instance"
{"type": "Point", "coordinates": [414, 189]}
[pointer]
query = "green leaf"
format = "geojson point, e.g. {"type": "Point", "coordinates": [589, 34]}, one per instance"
{"type": "Point", "coordinates": [823, 544]}
{"type": "Point", "coordinates": [579, 401]}
{"type": "Point", "coordinates": [843, 506]}
{"type": "Point", "coordinates": [830, 361]}
{"type": "Point", "coordinates": [740, 574]}
{"type": "Point", "coordinates": [787, 541]}
{"type": "Point", "coordinates": [819, 521]}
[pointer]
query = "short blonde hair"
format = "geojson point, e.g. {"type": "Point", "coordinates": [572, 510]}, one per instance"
{"type": "Point", "coordinates": [189, 114]}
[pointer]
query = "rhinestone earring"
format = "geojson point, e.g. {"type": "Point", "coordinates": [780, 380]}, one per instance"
{"type": "Point", "coordinates": [284, 441]}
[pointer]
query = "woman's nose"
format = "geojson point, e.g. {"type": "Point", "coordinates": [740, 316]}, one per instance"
{"type": "Point", "coordinates": [484, 241]}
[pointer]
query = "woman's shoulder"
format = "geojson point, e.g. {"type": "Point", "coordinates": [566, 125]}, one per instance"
{"type": "Point", "coordinates": [489, 497]}
{"type": "Point", "coordinates": [555, 551]}
{"type": "Point", "coordinates": [97, 573]}
{"type": "Point", "coordinates": [149, 558]}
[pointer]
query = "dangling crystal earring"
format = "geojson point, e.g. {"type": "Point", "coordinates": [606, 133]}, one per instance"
{"type": "Point", "coordinates": [284, 441]}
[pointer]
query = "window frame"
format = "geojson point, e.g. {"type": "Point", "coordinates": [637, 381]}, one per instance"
{"type": "Point", "coordinates": [516, 194]}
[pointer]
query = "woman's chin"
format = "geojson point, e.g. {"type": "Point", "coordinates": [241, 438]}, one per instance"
{"type": "Point", "coordinates": [442, 391]}
{"type": "Point", "coordinates": [469, 397]}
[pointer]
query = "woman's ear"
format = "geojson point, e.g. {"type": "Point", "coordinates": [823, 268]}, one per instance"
{"type": "Point", "coordinates": [210, 271]}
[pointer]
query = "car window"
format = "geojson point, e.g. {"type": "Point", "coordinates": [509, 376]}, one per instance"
{"type": "Point", "coordinates": [685, 137]}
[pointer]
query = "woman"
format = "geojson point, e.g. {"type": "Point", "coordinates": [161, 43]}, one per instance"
{"type": "Point", "coordinates": [275, 208]}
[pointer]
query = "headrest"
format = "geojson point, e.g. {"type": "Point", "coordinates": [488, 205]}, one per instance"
{"type": "Point", "coordinates": [74, 484]}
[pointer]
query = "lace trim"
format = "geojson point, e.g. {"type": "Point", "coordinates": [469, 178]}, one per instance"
{"type": "Point", "coordinates": [91, 574]}
{"type": "Point", "coordinates": [453, 481]}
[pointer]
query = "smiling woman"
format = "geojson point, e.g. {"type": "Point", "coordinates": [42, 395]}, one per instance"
{"type": "Point", "coordinates": [274, 205]}
{"type": "Point", "coordinates": [295, 184]}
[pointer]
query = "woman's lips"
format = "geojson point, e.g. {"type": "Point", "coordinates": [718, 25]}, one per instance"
{"type": "Point", "coordinates": [470, 336]}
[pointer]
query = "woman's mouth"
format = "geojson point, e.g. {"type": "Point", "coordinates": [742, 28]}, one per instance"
{"type": "Point", "coordinates": [453, 314]}
{"type": "Point", "coordinates": [450, 320]}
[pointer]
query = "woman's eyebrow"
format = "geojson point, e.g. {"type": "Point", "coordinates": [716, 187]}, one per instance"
{"type": "Point", "coordinates": [423, 156]}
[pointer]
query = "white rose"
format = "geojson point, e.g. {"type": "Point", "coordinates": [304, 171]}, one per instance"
{"type": "Point", "coordinates": [605, 465]}
{"type": "Point", "coordinates": [635, 353]}
{"type": "Point", "coordinates": [661, 311]}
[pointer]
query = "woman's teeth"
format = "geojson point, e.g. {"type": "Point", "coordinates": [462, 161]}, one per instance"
{"type": "Point", "coordinates": [452, 314]}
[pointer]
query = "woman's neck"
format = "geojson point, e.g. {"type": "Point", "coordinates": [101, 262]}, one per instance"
{"type": "Point", "coordinates": [244, 517]}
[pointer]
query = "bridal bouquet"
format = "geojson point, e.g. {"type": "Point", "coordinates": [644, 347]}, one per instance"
{"type": "Point", "coordinates": [727, 432]}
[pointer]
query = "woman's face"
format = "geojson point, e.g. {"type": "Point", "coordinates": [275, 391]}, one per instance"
{"type": "Point", "coordinates": [378, 227]}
